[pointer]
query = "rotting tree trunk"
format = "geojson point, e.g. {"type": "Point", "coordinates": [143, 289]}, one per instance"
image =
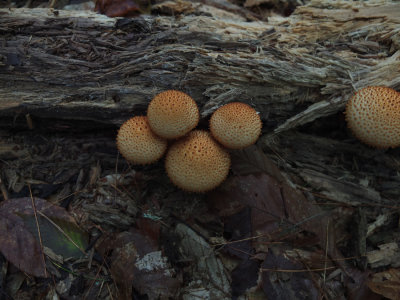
{"type": "Point", "coordinates": [85, 66]}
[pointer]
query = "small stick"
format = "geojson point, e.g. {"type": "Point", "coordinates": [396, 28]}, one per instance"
{"type": "Point", "coordinates": [38, 228]}
{"type": "Point", "coordinates": [29, 121]}
{"type": "Point", "coordinates": [3, 190]}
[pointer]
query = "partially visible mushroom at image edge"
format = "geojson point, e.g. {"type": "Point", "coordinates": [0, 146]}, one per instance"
{"type": "Point", "coordinates": [373, 116]}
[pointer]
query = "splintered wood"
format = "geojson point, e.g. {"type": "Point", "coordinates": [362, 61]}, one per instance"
{"type": "Point", "coordinates": [74, 65]}
{"type": "Point", "coordinates": [297, 71]}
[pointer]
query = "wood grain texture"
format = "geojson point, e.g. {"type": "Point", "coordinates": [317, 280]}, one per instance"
{"type": "Point", "coordinates": [87, 66]}
{"type": "Point", "coordinates": [298, 72]}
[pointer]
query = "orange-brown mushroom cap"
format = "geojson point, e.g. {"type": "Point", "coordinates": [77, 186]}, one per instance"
{"type": "Point", "coordinates": [138, 144]}
{"type": "Point", "coordinates": [172, 114]}
{"type": "Point", "coordinates": [197, 163]}
{"type": "Point", "coordinates": [235, 125]}
{"type": "Point", "coordinates": [373, 115]}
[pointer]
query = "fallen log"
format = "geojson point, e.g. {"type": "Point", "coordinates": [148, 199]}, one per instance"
{"type": "Point", "coordinates": [298, 72]}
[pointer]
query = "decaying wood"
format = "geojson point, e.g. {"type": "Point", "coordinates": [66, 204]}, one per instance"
{"type": "Point", "coordinates": [295, 71]}
{"type": "Point", "coordinates": [87, 66]}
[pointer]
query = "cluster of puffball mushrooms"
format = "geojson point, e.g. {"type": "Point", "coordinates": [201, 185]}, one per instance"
{"type": "Point", "coordinates": [196, 160]}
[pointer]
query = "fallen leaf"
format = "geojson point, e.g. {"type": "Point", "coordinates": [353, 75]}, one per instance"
{"type": "Point", "coordinates": [19, 240]}
{"type": "Point", "coordinates": [237, 227]}
{"type": "Point", "coordinates": [252, 160]}
{"type": "Point", "coordinates": [281, 278]}
{"type": "Point", "coordinates": [71, 241]}
{"type": "Point", "coordinates": [279, 212]}
{"type": "Point", "coordinates": [174, 8]}
{"type": "Point", "coordinates": [386, 283]}
{"type": "Point", "coordinates": [19, 246]}
{"type": "Point", "coordinates": [207, 269]}
{"type": "Point", "coordinates": [245, 276]}
{"type": "Point", "coordinates": [278, 208]}
{"type": "Point", "coordinates": [117, 8]}
{"type": "Point", "coordinates": [388, 254]}
{"type": "Point", "coordinates": [138, 263]}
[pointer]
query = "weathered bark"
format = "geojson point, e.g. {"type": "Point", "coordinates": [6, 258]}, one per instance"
{"type": "Point", "coordinates": [84, 66]}
{"type": "Point", "coordinates": [87, 66]}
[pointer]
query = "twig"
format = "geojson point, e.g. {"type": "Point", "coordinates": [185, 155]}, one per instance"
{"type": "Point", "coordinates": [94, 280]}
{"type": "Point", "coordinates": [298, 271]}
{"type": "Point", "coordinates": [3, 190]}
{"type": "Point", "coordinates": [38, 228]}
{"type": "Point", "coordinates": [326, 251]}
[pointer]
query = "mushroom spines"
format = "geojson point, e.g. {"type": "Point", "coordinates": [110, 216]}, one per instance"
{"type": "Point", "coordinates": [138, 144]}
{"type": "Point", "coordinates": [197, 163]}
{"type": "Point", "coordinates": [172, 114]}
{"type": "Point", "coordinates": [373, 115]}
{"type": "Point", "coordinates": [235, 125]}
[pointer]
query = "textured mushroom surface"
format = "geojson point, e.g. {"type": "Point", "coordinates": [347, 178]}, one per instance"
{"type": "Point", "coordinates": [373, 115]}
{"type": "Point", "coordinates": [138, 144]}
{"type": "Point", "coordinates": [197, 163]}
{"type": "Point", "coordinates": [172, 114]}
{"type": "Point", "coordinates": [235, 125]}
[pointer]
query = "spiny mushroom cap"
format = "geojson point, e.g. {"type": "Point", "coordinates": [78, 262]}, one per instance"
{"type": "Point", "coordinates": [235, 125]}
{"type": "Point", "coordinates": [138, 144]}
{"type": "Point", "coordinates": [172, 114]}
{"type": "Point", "coordinates": [373, 115]}
{"type": "Point", "coordinates": [197, 163]}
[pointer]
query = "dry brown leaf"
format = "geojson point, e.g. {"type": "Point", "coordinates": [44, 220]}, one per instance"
{"type": "Point", "coordinates": [137, 262]}
{"type": "Point", "coordinates": [281, 278]}
{"type": "Point", "coordinates": [18, 230]}
{"type": "Point", "coordinates": [386, 283]}
{"type": "Point", "coordinates": [19, 246]}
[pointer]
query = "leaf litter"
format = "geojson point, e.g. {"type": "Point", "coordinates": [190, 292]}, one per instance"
{"type": "Point", "coordinates": [19, 240]}
{"type": "Point", "coordinates": [255, 235]}
{"type": "Point", "coordinates": [265, 214]}
{"type": "Point", "coordinates": [138, 263]}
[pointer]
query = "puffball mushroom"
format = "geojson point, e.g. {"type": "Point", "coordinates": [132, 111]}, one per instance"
{"type": "Point", "coordinates": [172, 114]}
{"type": "Point", "coordinates": [373, 115]}
{"type": "Point", "coordinates": [235, 125]}
{"type": "Point", "coordinates": [197, 163]}
{"type": "Point", "coordinates": [138, 144]}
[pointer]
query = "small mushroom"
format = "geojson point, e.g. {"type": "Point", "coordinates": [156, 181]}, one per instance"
{"type": "Point", "coordinates": [373, 115]}
{"type": "Point", "coordinates": [172, 114]}
{"type": "Point", "coordinates": [235, 125]}
{"type": "Point", "coordinates": [138, 144]}
{"type": "Point", "coordinates": [197, 163]}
